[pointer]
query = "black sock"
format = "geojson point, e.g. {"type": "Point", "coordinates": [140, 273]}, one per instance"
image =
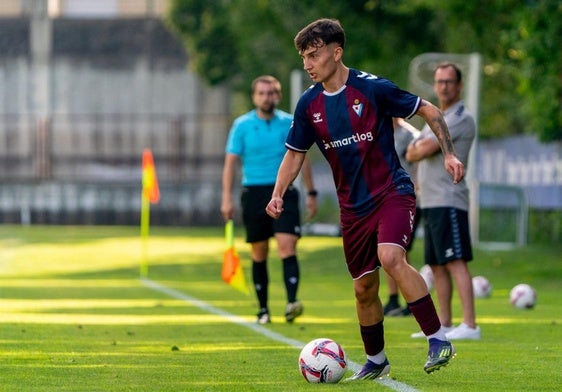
{"type": "Point", "coordinates": [393, 299]}
{"type": "Point", "coordinates": [291, 276]}
{"type": "Point", "coordinates": [261, 281]}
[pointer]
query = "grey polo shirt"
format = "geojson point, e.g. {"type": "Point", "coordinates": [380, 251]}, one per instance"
{"type": "Point", "coordinates": [435, 184]}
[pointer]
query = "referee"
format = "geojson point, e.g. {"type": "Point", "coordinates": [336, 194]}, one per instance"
{"type": "Point", "coordinates": [256, 141]}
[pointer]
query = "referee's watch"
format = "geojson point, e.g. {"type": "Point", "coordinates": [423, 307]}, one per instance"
{"type": "Point", "coordinates": [313, 193]}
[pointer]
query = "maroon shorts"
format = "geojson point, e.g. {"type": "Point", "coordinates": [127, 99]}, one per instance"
{"type": "Point", "coordinates": [391, 222]}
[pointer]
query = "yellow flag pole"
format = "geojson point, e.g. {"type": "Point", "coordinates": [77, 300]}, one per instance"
{"type": "Point", "coordinates": [144, 228]}
{"type": "Point", "coordinates": [229, 233]}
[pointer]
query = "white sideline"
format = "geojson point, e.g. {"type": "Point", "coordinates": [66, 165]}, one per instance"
{"type": "Point", "coordinates": [387, 381]}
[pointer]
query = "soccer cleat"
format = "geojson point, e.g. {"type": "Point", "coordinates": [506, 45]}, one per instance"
{"type": "Point", "coordinates": [293, 310]}
{"type": "Point", "coordinates": [420, 334]}
{"type": "Point", "coordinates": [371, 371]}
{"type": "Point", "coordinates": [392, 309]}
{"type": "Point", "coordinates": [464, 332]}
{"type": "Point", "coordinates": [439, 354]}
{"type": "Point", "coordinates": [263, 316]}
{"type": "Point", "coordinates": [406, 311]}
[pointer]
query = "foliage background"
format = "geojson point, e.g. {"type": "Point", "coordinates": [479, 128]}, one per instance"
{"type": "Point", "coordinates": [235, 41]}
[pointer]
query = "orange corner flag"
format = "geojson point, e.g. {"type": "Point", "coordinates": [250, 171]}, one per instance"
{"type": "Point", "coordinates": [149, 181]}
{"type": "Point", "coordinates": [232, 272]}
{"type": "Point", "coordinates": [150, 194]}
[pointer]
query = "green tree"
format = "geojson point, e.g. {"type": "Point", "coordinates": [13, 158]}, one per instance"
{"type": "Point", "coordinates": [234, 41]}
{"type": "Point", "coordinates": [206, 31]}
{"type": "Point", "coordinates": [535, 53]}
{"type": "Point", "coordinates": [520, 42]}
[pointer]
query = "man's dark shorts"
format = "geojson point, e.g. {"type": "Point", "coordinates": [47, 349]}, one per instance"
{"type": "Point", "coordinates": [260, 226]}
{"type": "Point", "coordinates": [446, 235]}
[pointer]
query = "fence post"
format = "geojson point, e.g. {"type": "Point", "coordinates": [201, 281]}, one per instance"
{"type": "Point", "coordinates": [42, 154]}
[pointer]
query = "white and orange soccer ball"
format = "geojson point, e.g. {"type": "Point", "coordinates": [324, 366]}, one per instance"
{"type": "Point", "coordinates": [523, 296]}
{"type": "Point", "coordinates": [481, 287]}
{"type": "Point", "coordinates": [322, 361]}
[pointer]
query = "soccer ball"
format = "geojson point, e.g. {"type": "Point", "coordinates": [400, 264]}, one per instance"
{"type": "Point", "coordinates": [481, 287]}
{"type": "Point", "coordinates": [322, 361]}
{"type": "Point", "coordinates": [427, 275]}
{"type": "Point", "coordinates": [523, 296]}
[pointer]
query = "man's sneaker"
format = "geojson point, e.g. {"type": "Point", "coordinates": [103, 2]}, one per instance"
{"type": "Point", "coordinates": [464, 332]}
{"type": "Point", "coordinates": [293, 310]}
{"type": "Point", "coordinates": [439, 354]}
{"type": "Point", "coordinates": [263, 316]}
{"type": "Point", "coordinates": [392, 309]}
{"type": "Point", "coordinates": [371, 371]}
{"type": "Point", "coordinates": [420, 334]}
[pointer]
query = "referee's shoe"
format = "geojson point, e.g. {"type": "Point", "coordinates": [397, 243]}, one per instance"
{"type": "Point", "coordinates": [293, 310]}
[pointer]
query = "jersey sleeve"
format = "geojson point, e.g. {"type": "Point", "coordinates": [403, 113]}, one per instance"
{"type": "Point", "coordinates": [301, 133]}
{"type": "Point", "coordinates": [398, 102]}
{"type": "Point", "coordinates": [234, 144]}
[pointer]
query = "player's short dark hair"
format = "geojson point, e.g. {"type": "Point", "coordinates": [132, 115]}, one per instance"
{"type": "Point", "coordinates": [320, 32]}
{"type": "Point", "coordinates": [447, 64]}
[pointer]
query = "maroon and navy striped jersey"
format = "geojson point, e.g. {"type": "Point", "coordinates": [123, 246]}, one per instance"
{"type": "Point", "coordinates": [353, 129]}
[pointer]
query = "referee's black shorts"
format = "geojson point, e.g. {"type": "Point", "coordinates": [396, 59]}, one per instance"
{"type": "Point", "coordinates": [260, 226]}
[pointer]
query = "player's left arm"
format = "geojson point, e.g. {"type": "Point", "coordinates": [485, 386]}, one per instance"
{"type": "Point", "coordinates": [434, 118]}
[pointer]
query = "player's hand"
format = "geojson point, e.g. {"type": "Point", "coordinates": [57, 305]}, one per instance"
{"type": "Point", "coordinates": [311, 207]}
{"type": "Point", "coordinates": [454, 167]}
{"type": "Point", "coordinates": [274, 207]}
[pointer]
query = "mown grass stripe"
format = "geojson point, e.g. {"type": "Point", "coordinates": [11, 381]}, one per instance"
{"type": "Point", "coordinates": [387, 381]}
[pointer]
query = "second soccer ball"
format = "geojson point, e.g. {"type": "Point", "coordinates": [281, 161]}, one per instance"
{"type": "Point", "coordinates": [481, 287]}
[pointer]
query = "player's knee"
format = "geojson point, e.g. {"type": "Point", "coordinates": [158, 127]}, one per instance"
{"type": "Point", "coordinates": [390, 261]}
{"type": "Point", "coordinates": [365, 290]}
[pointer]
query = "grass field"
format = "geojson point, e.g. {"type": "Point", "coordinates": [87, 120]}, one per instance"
{"type": "Point", "coordinates": [76, 317]}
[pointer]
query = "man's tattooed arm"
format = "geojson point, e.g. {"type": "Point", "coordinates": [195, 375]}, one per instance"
{"type": "Point", "coordinates": [434, 118]}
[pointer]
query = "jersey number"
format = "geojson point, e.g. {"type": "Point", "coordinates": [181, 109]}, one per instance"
{"type": "Point", "coordinates": [366, 75]}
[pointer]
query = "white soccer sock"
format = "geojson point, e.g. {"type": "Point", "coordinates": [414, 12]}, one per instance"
{"type": "Point", "coordinates": [440, 334]}
{"type": "Point", "coordinates": [378, 358]}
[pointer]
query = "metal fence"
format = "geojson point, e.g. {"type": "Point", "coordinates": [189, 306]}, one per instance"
{"type": "Point", "coordinates": [80, 169]}
{"type": "Point", "coordinates": [108, 147]}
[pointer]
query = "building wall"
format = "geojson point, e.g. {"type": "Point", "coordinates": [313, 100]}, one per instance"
{"type": "Point", "coordinates": [79, 105]}
{"type": "Point", "coordinates": [86, 8]}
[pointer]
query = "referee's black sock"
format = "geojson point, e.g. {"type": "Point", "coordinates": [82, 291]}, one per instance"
{"type": "Point", "coordinates": [393, 299]}
{"type": "Point", "coordinates": [291, 276]}
{"type": "Point", "coordinates": [261, 281]}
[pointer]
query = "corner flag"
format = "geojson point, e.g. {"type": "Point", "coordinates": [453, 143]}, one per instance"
{"type": "Point", "coordinates": [150, 188]}
{"type": "Point", "coordinates": [150, 194]}
{"type": "Point", "coordinates": [232, 272]}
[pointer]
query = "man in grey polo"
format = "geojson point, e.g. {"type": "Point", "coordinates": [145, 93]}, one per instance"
{"type": "Point", "coordinates": [445, 205]}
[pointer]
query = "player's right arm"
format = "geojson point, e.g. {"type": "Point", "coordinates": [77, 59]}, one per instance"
{"type": "Point", "coordinates": [288, 171]}
{"type": "Point", "coordinates": [434, 118]}
{"type": "Point", "coordinates": [231, 163]}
